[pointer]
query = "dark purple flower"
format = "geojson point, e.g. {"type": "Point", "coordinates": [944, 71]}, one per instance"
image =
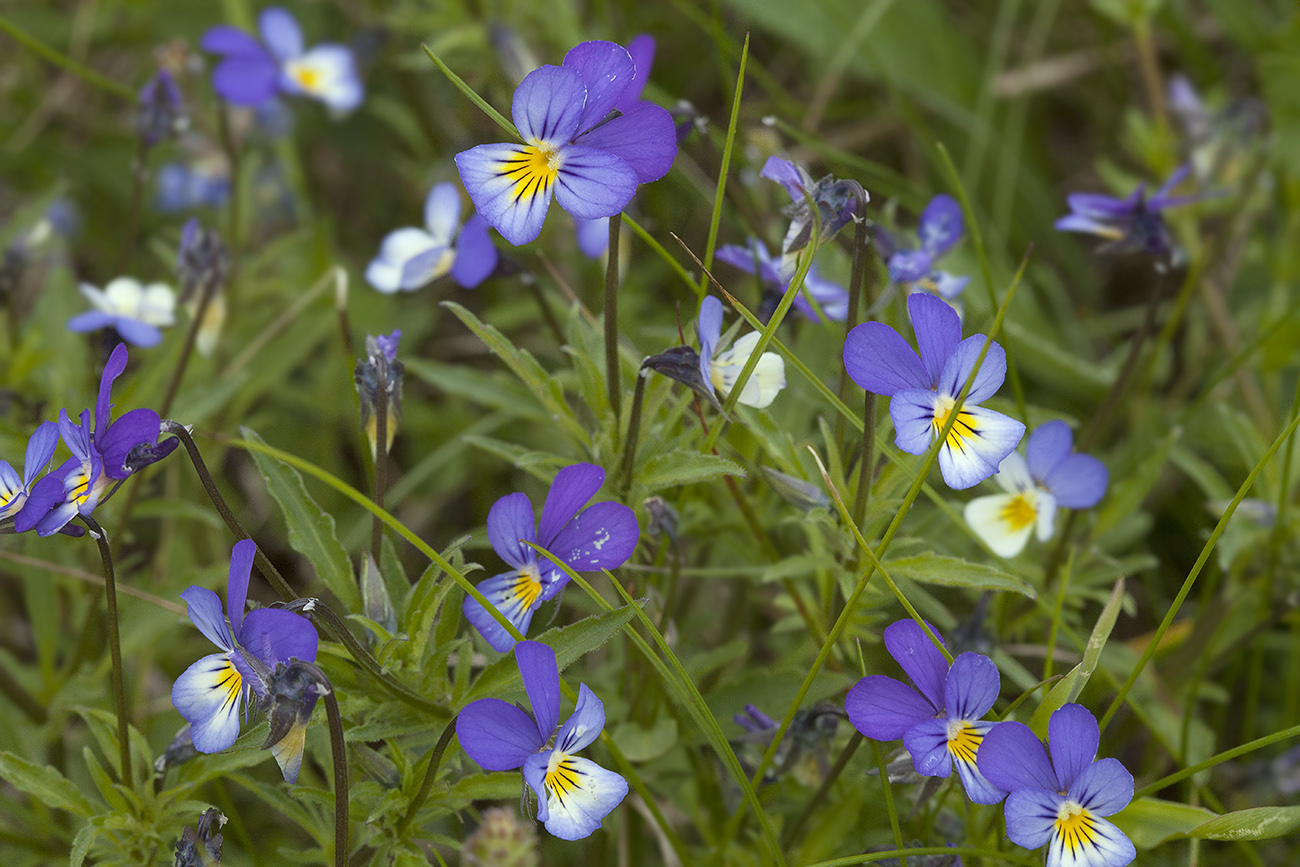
{"type": "Point", "coordinates": [940, 228]}
{"type": "Point", "coordinates": [572, 150]}
{"type": "Point", "coordinates": [211, 692]}
{"type": "Point", "coordinates": [925, 388]}
{"type": "Point", "coordinates": [1133, 224]}
{"type": "Point", "coordinates": [1061, 803]}
{"type": "Point", "coordinates": [411, 258]}
{"type": "Point", "coordinates": [939, 721]}
{"type": "Point", "coordinates": [600, 537]}
{"type": "Point", "coordinates": [161, 114]}
{"type": "Point", "coordinates": [832, 199]}
{"type": "Point", "coordinates": [573, 794]}
{"type": "Point", "coordinates": [831, 298]}
{"type": "Point", "coordinates": [1050, 475]}
{"type": "Point", "coordinates": [15, 489]}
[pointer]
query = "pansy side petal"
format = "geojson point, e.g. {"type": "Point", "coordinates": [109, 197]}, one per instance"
{"type": "Point", "coordinates": [1031, 816]}
{"type": "Point", "coordinates": [606, 71]}
{"type": "Point", "coordinates": [913, 412]}
{"type": "Point", "coordinates": [938, 332]}
{"type": "Point", "coordinates": [547, 106]}
{"type": "Point", "coordinates": [927, 743]}
{"type": "Point", "coordinates": [1102, 207]}
{"type": "Point", "coordinates": [246, 79]}
{"type": "Point", "coordinates": [573, 487]}
{"type": "Point", "coordinates": [1073, 736]}
{"type": "Point", "coordinates": [204, 610]}
{"type": "Point", "coordinates": [509, 526]}
{"type": "Point", "coordinates": [45, 494]}
{"type": "Point", "coordinates": [915, 652]}
{"type": "Point", "coordinates": [40, 449]}
{"type": "Point", "coordinates": [642, 51]}
{"type": "Point", "coordinates": [600, 537]}
{"type": "Point", "coordinates": [504, 189]}
{"type": "Point", "coordinates": [514, 594]}
{"type": "Point", "coordinates": [1047, 446]}
{"type": "Point", "coordinates": [497, 735]}
{"type": "Point", "coordinates": [276, 635]}
{"type": "Point", "coordinates": [280, 32]}
{"type": "Point", "coordinates": [767, 378]}
{"type": "Point", "coordinates": [879, 360]}
{"type": "Point", "coordinates": [541, 677]}
{"type": "Point", "coordinates": [593, 183]}
{"type": "Point", "coordinates": [644, 137]}
{"type": "Point", "coordinates": [584, 725]}
{"type": "Point", "coordinates": [884, 709]}
{"type": "Point", "coordinates": [442, 212]}
{"type": "Point", "coordinates": [1078, 482]}
{"type": "Point", "coordinates": [579, 795]}
{"type": "Point", "coordinates": [1088, 226]}
{"type": "Point", "coordinates": [976, 446]}
{"type": "Point", "coordinates": [971, 687]}
{"type": "Point", "coordinates": [999, 521]}
{"type": "Point", "coordinates": [1099, 844]}
{"type": "Point", "coordinates": [241, 568]}
{"type": "Point", "coordinates": [941, 225]}
{"type": "Point", "coordinates": [476, 256]}
{"type": "Point", "coordinates": [1011, 758]}
{"type": "Point", "coordinates": [977, 786]}
{"type": "Point", "coordinates": [1105, 787]}
{"type": "Point", "coordinates": [957, 370]}
{"type": "Point", "coordinates": [84, 323]}
{"type": "Point", "coordinates": [208, 695]}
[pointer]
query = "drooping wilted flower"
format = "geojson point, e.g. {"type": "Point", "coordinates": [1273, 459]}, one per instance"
{"type": "Point", "coordinates": [161, 113]}
{"type": "Point", "coordinates": [411, 258]}
{"type": "Point", "coordinates": [134, 311]}
{"type": "Point", "coordinates": [201, 846]}
{"type": "Point", "coordinates": [830, 199]}
{"type": "Point", "coordinates": [1133, 224]}
{"type": "Point", "coordinates": [721, 369]}
{"type": "Point", "coordinates": [379, 376]}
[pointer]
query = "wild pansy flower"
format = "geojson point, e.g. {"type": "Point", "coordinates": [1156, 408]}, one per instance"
{"type": "Point", "coordinates": [924, 389]}
{"type": "Point", "coordinates": [940, 228]}
{"type": "Point", "coordinates": [1051, 475]}
{"type": "Point", "coordinates": [602, 536]}
{"type": "Point", "coordinates": [572, 150]}
{"type": "Point", "coordinates": [833, 198]}
{"type": "Point", "coordinates": [775, 275]}
{"type": "Point", "coordinates": [720, 369]}
{"type": "Point", "coordinates": [133, 310]}
{"type": "Point", "coordinates": [573, 794]}
{"type": "Point", "coordinates": [1133, 224]}
{"type": "Point", "coordinates": [15, 489]}
{"type": "Point", "coordinates": [101, 457]}
{"type": "Point", "coordinates": [211, 692]}
{"type": "Point", "coordinates": [411, 258]}
{"type": "Point", "coordinates": [940, 720]}
{"type": "Point", "coordinates": [252, 73]}
{"type": "Point", "coordinates": [1061, 803]}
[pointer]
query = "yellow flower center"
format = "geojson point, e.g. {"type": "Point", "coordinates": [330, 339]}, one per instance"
{"type": "Point", "coordinates": [1019, 512]}
{"type": "Point", "coordinates": [527, 587]}
{"type": "Point", "coordinates": [964, 428]}
{"type": "Point", "coordinates": [562, 776]}
{"type": "Point", "coordinates": [1075, 827]}
{"type": "Point", "coordinates": [963, 740]}
{"type": "Point", "coordinates": [533, 169]}
{"type": "Point", "coordinates": [308, 78]}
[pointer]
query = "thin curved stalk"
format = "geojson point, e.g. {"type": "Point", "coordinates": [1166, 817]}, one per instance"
{"type": "Point", "coordinates": [435, 760]}
{"type": "Point", "coordinates": [114, 648]}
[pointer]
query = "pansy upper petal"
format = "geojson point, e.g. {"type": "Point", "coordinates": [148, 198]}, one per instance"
{"type": "Point", "coordinates": [204, 610]}
{"type": "Point", "coordinates": [112, 370]}
{"type": "Point", "coordinates": [941, 225]}
{"type": "Point", "coordinates": [594, 183]}
{"type": "Point", "coordinates": [442, 211]}
{"type": "Point", "coordinates": [1011, 758]}
{"type": "Point", "coordinates": [40, 449]}
{"type": "Point", "coordinates": [879, 360]}
{"type": "Point", "coordinates": [541, 677]}
{"type": "Point", "coordinates": [280, 32]}
{"type": "Point", "coordinates": [241, 568]}
{"type": "Point", "coordinates": [1073, 736]}
{"type": "Point", "coordinates": [915, 652]}
{"type": "Point", "coordinates": [579, 795]}
{"type": "Point", "coordinates": [1046, 447]}
{"type": "Point", "coordinates": [1088, 226]}
{"type": "Point", "coordinates": [1105, 787]}
{"type": "Point", "coordinates": [786, 174]}
{"type": "Point", "coordinates": [509, 525]}
{"type": "Point", "coordinates": [971, 687]}
{"type": "Point", "coordinates": [1078, 482]}
{"type": "Point", "coordinates": [497, 735]}
{"type": "Point", "coordinates": [573, 487]}
{"type": "Point", "coordinates": [600, 537]}
{"type": "Point", "coordinates": [547, 106]}
{"type": "Point", "coordinates": [1031, 815]}
{"type": "Point", "coordinates": [1102, 207]}
{"type": "Point", "coordinates": [959, 365]}
{"type": "Point", "coordinates": [225, 39]}
{"type": "Point", "coordinates": [476, 255]}
{"type": "Point", "coordinates": [208, 695]}
{"type": "Point", "coordinates": [976, 446]}
{"type": "Point", "coordinates": [277, 635]}
{"type": "Point", "coordinates": [927, 744]}
{"type": "Point", "coordinates": [938, 332]}
{"type": "Point", "coordinates": [884, 709]}
{"type": "Point", "coordinates": [515, 595]}
{"type": "Point", "coordinates": [584, 725]}
{"type": "Point", "coordinates": [516, 211]}
{"type": "Point", "coordinates": [642, 51]}
{"type": "Point", "coordinates": [607, 71]}
{"type": "Point", "coordinates": [644, 137]}
{"type": "Point", "coordinates": [998, 521]}
{"type": "Point", "coordinates": [408, 259]}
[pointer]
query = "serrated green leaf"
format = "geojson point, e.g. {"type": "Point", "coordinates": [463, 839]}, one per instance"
{"type": "Point", "coordinates": [685, 468]}
{"type": "Point", "coordinates": [1068, 688]}
{"type": "Point", "coordinates": [46, 784]}
{"type": "Point", "coordinates": [311, 529]}
{"type": "Point", "coordinates": [1257, 823]}
{"type": "Point", "coordinates": [102, 781]}
{"type": "Point", "coordinates": [1149, 822]}
{"type": "Point", "coordinates": [945, 571]}
{"type": "Point", "coordinates": [81, 844]}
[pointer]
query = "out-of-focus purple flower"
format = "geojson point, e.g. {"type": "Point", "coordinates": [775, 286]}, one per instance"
{"type": "Point", "coordinates": [1061, 803]}
{"type": "Point", "coordinates": [252, 73]}
{"type": "Point", "coordinates": [161, 114]}
{"type": "Point", "coordinates": [573, 794]}
{"type": "Point", "coordinates": [590, 164]}
{"type": "Point", "coordinates": [1050, 475]}
{"type": "Point", "coordinates": [183, 186]}
{"type": "Point", "coordinates": [602, 536]}
{"type": "Point", "coordinates": [1216, 141]}
{"type": "Point", "coordinates": [940, 720]}
{"type": "Point", "coordinates": [829, 297]}
{"type": "Point", "coordinates": [1133, 224]}
{"type": "Point", "coordinates": [132, 310]}
{"type": "Point", "coordinates": [721, 369]}
{"type": "Point", "coordinates": [924, 389]}
{"type": "Point", "coordinates": [379, 376]}
{"type": "Point", "coordinates": [832, 199]}
{"type": "Point", "coordinates": [210, 693]}
{"type": "Point", "coordinates": [15, 489]}
{"type": "Point", "coordinates": [411, 258]}
{"type": "Point", "coordinates": [940, 228]}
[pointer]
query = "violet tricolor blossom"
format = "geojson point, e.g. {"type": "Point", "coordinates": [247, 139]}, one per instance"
{"type": "Point", "coordinates": [940, 720]}
{"type": "Point", "coordinates": [600, 537]}
{"type": "Point", "coordinates": [411, 258]}
{"type": "Point", "coordinates": [1061, 803]}
{"type": "Point", "coordinates": [924, 389]}
{"type": "Point", "coordinates": [252, 73]}
{"type": "Point", "coordinates": [211, 692]}
{"type": "Point", "coordinates": [1133, 224]}
{"type": "Point", "coordinates": [1051, 475]}
{"type": "Point", "coordinates": [572, 149]}
{"type": "Point", "coordinates": [940, 228]}
{"type": "Point", "coordinates": [101, 457]}
{"type": "Point", "coordinates": [573, 794]}
{"type": "Point", "coordinates": [134, 311]}
{"type": "Point", "coordinates": [775, 275]}
{"type": "Point", "coordinates": [721, 369]}
{"type": "Point", "coordinates": [15, 489]}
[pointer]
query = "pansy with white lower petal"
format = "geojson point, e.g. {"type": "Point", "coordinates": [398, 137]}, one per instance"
{"type": "Point", "coordinates": [411, 258]}
{"type": "Point", "coordinates": [1061, 803]}
{"type": "Point", "coordinates": [924, 389]}
{"type": "Point", "coordinates": [133, 310]}
{"type": "Point", "coordinates": [721, 369]}
{"type": "Point", "coordinates": [573, 794]}
{"type": "Point", "coordinates": [1050, 476]}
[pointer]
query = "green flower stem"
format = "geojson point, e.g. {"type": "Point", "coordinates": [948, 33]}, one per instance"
{"type": "Point", "coordinates": [61, 60]}
{"type": "Point", "coordinates": [633, 431]}
{"type": "Point", "coordinates": [1150, 66]}
{"type": "Point", "coordinates": [820, 795]}
{"type": "Point", "coordinates": [430, 774]}
{"type": "Point", "coordinates": [866, 461]}
{"type": "Point", "coordinates": [114, 648]}
{"type": "Point", "coordinates": [613, 380]}
{"type": "Point", "coordinates": [887, 791]}
{"type": "Point", "coordinates": [1278, 537]}
{"type": "Point", "coordinates": [1220, 758]}
{"type": "Point", "coordinates": [721, 191]}
{"type": "Point", "coordinates": [858, 286]}
{"type": "Point", "coordinates": [1208, 548]}
{"type": "Point", "coordinates": [339, 756]}
{"type": "Point", "coordinates": [381, 460]}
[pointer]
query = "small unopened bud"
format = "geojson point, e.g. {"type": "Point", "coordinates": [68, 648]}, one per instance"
{"type": "Point", "coordinates": [501, 841]}
{"type": "Point", "coordinates": [201, 847]}
{"type": "Point", "coordinates": [682, 363]}
{"type": "Point", "coordinates": [380, 373]}
{"type": "Point", "coordinates": [161, 114]}
{"type": "Point", "coordinates": [376, 602]}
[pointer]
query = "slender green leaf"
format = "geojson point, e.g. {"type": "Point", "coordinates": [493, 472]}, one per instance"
{"type": "Point", "coordinates": [931, 568]}
{"type": "Point", "coordinates": [46, 784]}
{"type": "Point", "coordinates": [1149, 822]}
{"type": "Point", "coordinates": [1068, 688]}
{"type": "Point", "coordinates": [1257, 823]}
{"type": "Point", "coordinates": [685, 468]}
